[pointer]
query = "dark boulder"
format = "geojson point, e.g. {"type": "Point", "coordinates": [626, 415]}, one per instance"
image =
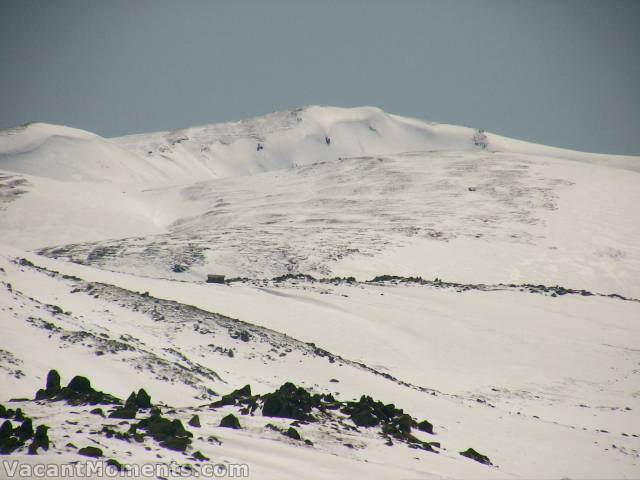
{"type": "Point", "coordinates": [241, 396]}
{"type": "Point", "coordinates": [178, 444]}
{"type": "Point", "coordinates": [142, 399]}
{"type": "Point", "coordinates": [478, 457]}
{"type": "Point", "coordinates": [93, 452]}
{"type": "Point", "coordinates": [52, 388]}
{"type": "Point", "coordinates": [367, 412]}
{"type": "Point", "coordinates": [364, 418]}
{"type": "Point", "coordinates": [53, 383]}
{"type": "Point", "coordinates": [199, 456]}
{"type": "Point", "coordinates": [170, 434]}
{"type": "Point", "coordinates": [425, 426]}
{"type": "Point", "coordinates": [77, 392]}
{"type": "Point", "coordinates": [230, 421]}
{"type": "Point", "coordinates": [136, 401]}
{"type": "Point", "coordinates": [6, 430]}
{"type": "Point", "coordinates": [25, 430]}
{"type": "Point", "coordinates": [40, 440]}
{"type": "Point", "coordinates": [114, 464]}
{"type": "Point", "coordinates": [292, 433]}
{"type": "Point", "coordinates": [195, 421]}
{"type": "Point", "coordinates": [126, 413]}
{"type": "Point", "coordinates": [9, 442]}
{"type": "Point", "coordinates": [290, 401]}
{"type": "Point", "coordinates": [80, 384]}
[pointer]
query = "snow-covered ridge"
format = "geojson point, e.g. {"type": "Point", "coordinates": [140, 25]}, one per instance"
{"type": "Point", "coordinates": [324, 191]}
{"type": "Point", "coordinates": [279, 140]}
{"type": "Point", "coordinates": [124, 231]}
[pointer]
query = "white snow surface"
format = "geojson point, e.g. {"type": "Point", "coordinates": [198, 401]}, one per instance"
{"type": "Point", "coordinates": [545, 385]}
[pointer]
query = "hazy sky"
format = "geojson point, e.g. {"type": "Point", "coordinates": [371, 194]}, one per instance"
{"type": "Point", "coordinates": [564, 73]}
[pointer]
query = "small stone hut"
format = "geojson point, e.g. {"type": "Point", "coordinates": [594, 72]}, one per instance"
{"type": "Point", "coordinates": [215, 278]}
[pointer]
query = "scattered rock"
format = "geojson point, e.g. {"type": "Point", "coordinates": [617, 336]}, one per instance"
{"type": "Point", "coordinates": [142, 399]}
{"type": "Point", "coordinates": [199, 456]}
{"type": "Point", "coordinates": [40, 440]}
{"type": "Point", "coordinates": [367, 412]}
{"type": "Point", "coordinates": [425, 426]}
{"type": "Point", "coordinates": [195, 421]}
{"type": "Point", "coordinates": [478, 457]}
{"type": "Point", "coordinates": [290, 401]}
{"type": "Point", "coordinates": [8, 441]}
{"type": "Point", "coordinates": [52, 388]}
{"type": "Point", "coordinates": [292, 433]}
{"type": "Point", "coordinates": [242, 397]}
{"type": "Point", "coordinates": [124, 413]}
{"type": "Point", "coordinates": [77, 392]}
{"type": "Point", "coordinates": [25, 430]}
{"type": "Point", "coordinates": [93, 452]}
{"type": "Point", "coordinates": [170, 434]}
{"type": "Point", "coordinates": [230, 421]}
{"type": "Point", "coordinates": [115, 464]}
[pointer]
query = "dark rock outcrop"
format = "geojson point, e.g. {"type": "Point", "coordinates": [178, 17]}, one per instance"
{"type": "Point", "coordinates": [290, 401]}
{"type": "Point", "coordinates": [425, 426]}
{"type": "Point", "coordinates": [52, 388]}
{"type": "Point", "coordinates": [194, 422]}
{"type": "Point", "coordinates": [135, 402]}
{"type": "Point", "coordinates": [170, 434]}
{"type": "Point", "coordinates": [230, 421]}
{"type": "Point", "coordinates": [292, 433]}
{"type": "Point", "coordinates": [478, 457]}
{"type": "Point", "coordinates": [77, 392]}
{"type": "Point", "coordinates": [40, 440]}
{"type": "Point", "coordinates": [93, 452]}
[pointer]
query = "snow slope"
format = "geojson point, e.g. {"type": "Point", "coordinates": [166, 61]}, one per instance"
{"type": "Point", "coordinates": [517, 384]}
{"type": "Point", "coordinates": [460, 216]}
{"type": "Point", "coordinates": [508, 360]}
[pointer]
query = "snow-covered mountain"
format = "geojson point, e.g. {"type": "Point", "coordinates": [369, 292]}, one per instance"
{"type": "Point", "coordinates": [325, 191]}
{"type": "Point", "coordinates": [517, 334]}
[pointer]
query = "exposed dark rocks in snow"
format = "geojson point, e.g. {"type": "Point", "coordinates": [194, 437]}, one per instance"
{"type": "Point", "coordinates": [40, 440]}
{"type": "Point", "coordinates": [478, 457]}
{"type": "Point", "coordinates": [197, 455]}
{"type": "Point", "coordinates": [90, 451]}
{"type": "Point", "coordinates": [52, 387]}
{"type": "Point", "coordinates": [230, 421]}
{"type": "Point", "coordinates": [194, 422]}
{"type": "Point", "coordinates": [292, 433]}
{"type": "Point", "coordinates": [365, 417]}
{"type": "Point", "coordinates": [296, 403]}
{"type": "Point", "coordinates": [290, 401]}
{"type": "Point", "coordinates": [135, 402]}
{"type": "Point", "coordinates": [550, 290]}
{"type": "Point", "coordinates": [14, 437]}
{"type": "Point", "coordinates": [112, 462]}
{"type": "Point", "coordinates": [77, 392]}
{"type": "Point", "coordinates": [367, 412]}
{"type": "Point", "coordinates": [168, 433]}
{"type": "Point", "coordinates": [425, 426]}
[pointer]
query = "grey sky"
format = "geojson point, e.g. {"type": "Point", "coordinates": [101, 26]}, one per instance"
{"type": "Point", "coordinates": [564, 73]}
